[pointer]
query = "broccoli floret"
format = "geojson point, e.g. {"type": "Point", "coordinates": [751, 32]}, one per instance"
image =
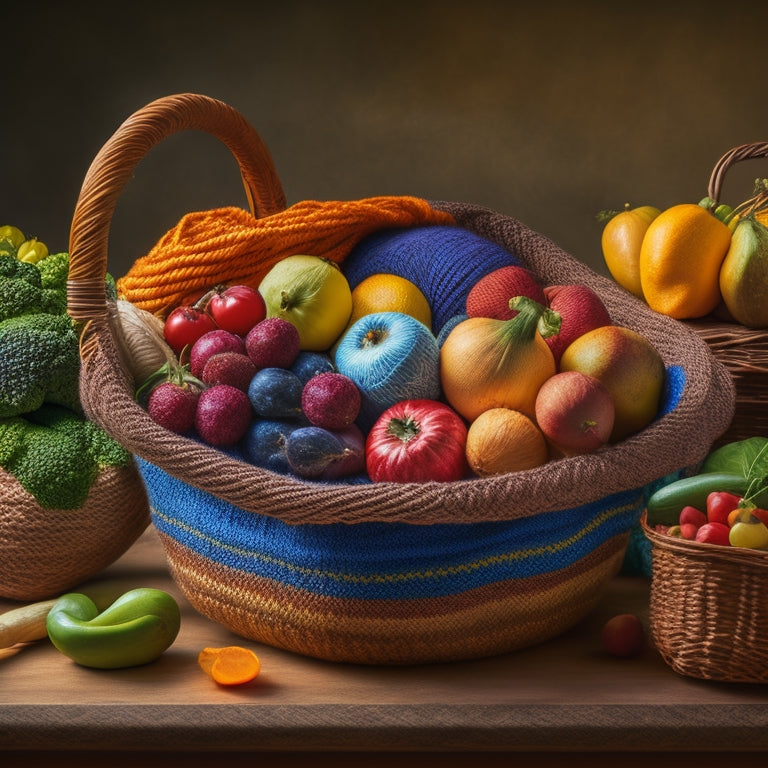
{"type": "Point", "coordinates": [24, 290]}
{"type": "Point", "coordinates": [39, 363]}
{"type": "Point", "coordinates": [54, 270]}
{"type": "Point", "coordinates": [57, 454]}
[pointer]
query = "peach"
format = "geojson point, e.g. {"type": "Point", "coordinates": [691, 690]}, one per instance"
{"type": "Point", "coordinates": [629, 367]}
{"type": "Point", "coordinates": [575, 412]}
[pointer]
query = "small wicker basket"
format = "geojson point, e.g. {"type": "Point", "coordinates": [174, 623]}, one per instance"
{"type": "Point", "coordinates": [709, 608]}
{"type": "Point", "coordinates": [743, 351]}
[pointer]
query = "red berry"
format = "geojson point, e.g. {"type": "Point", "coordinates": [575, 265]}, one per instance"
{"type": "Point", "coordinates": [331, 400]}
{"type": "Point", "coordinates": [623, 635]}
{"type": "Point", "coordinates": [234, 368]}
{"type": "Point", "coordinates": [213, 343]}
{"type": "Point", "coordinates": [273, 343]}
{"type": "Point", "coordinates": [173, 406]}
{"type": "Point", "coordinates": [223, 415]}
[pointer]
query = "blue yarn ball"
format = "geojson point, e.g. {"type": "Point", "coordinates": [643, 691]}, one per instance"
{"type": "Point", "coordinates": [404, 364]}
{"type": "Point", "coordinates": [448, 326]}
{"type": "Point", "coordinates": [444, 262]}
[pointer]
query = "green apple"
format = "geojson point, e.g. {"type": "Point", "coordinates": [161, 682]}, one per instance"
{"type": "Point", "coordinates": [313, 294]}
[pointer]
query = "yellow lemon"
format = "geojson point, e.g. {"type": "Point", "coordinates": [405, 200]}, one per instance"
{"type": "Point", "coordinates": [383, 292]}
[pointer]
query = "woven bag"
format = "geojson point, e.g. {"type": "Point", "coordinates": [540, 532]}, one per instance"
{"type": "Point", "coordinates": [743, 351]}
{"type": "Point", "coordinates": [44, 552]}
{"type": "Point", "coordinates": [383, 573]}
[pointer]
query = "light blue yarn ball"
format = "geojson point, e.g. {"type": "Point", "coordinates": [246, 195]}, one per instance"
{"type": "Point", "coordinates": [402, 364]}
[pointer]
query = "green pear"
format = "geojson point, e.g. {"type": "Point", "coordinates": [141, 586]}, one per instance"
{"type": "Point", "coordinates": [744, 274]}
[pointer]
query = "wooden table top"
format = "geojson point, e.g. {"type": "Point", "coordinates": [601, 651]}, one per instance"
{"type": "Point", "coordinates": [566, 695]}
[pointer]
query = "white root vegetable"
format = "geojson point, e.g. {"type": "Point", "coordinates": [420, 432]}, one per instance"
{"type": "Point", "coordinates": [140, 336]}
{"type": "Point", "coordinates": [25, 624]}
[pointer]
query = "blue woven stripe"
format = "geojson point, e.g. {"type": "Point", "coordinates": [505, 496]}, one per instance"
{"type": "Point", "coordinates": [378, 560]}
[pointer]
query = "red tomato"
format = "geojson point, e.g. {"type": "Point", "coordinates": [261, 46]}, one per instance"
{"type": "Point", "coordinates": [417, 441]}
{"type": "Point", "coordinates": [714, 533]}
{"type": "Point", "coordinates": [691, 516]}
{"type": "Point", "coordinates": [185, 325]}
{"type": "Point", "coordinates": [237, 309]}
{"type": "Point", "coordinates": [719, 505]}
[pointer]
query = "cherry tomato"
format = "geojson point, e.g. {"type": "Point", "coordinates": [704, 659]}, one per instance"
{"type": "Point", "coordinates": [237, 309]}
{"type": "Point", "coordinates": [714, 533]}
{"type": "Point", "coordinates": [185, 325]}
{"type": "Point", "coordinates": [691, 516]}
{"type": "Point", "coordinates": [417, 441]}
{"type": "Point", "coordinates": [719, 505]}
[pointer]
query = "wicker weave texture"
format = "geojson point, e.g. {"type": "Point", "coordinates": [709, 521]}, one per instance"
{"type": "Point", "coordinates": [709, 609]}
{"type": "Point", "coordinates": [47, 551]}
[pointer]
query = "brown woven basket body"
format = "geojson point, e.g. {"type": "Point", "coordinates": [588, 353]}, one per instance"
{"type": "Point", "coordinates": [709, 609]}
{"type": "Point", "coordinates": [44, 552]}
{"type": "Point", "coordinates": [490, 619]}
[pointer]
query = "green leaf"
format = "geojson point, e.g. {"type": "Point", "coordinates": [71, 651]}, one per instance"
{"type": "Point", "coordinates": [748, 457]}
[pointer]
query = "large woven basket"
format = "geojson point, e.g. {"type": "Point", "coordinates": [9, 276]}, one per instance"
{"type": "Point", "coordinates": [383, 573]}
{"type": "Point", "coordinates": [708, 610]}
{"type": "Point", "coordinates": [743, 351]}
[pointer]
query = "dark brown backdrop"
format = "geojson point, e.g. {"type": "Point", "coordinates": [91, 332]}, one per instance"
{"type": "Point", "coordinates": [548, 113]}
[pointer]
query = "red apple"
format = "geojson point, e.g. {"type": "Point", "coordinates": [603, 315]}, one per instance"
{"type": "Point", "coordinates": [575, 412]}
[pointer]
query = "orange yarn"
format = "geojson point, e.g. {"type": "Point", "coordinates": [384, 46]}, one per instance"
{"type": "Point", "coordinates": [230, 245]}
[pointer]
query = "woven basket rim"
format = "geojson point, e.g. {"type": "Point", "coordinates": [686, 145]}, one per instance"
{"type": "Point", "coordinates": [732, 555]}
{"type": "Point", "coordinates": [574, 481]}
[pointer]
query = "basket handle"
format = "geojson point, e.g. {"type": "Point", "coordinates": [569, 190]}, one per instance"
{"type": "Point", "coordinates": [735, 155]}
{"type": "Point", "coordinates": [114, 164]}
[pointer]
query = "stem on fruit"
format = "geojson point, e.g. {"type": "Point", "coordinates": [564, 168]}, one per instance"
{"type": "Point", "coordinates": [373, 337]}
{"type": "Point", "coordinates": [403, 429]}
{"type": "Point", "coordinates": [285, 301]}
{"type": "Point", "coordinates": [531, 317]}
{"type": "Point", "coordinates": [202, 303]}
